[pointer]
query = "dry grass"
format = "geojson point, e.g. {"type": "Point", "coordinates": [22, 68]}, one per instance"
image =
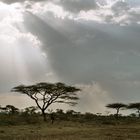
{"type": "Point", "coordinates": [70, 131]}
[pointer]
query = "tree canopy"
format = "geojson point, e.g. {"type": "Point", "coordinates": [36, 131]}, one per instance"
{"type": "Point", "coordinates": [135, 106]}
{"type": "Point", "coordinates": [116, 106]}
{"type": "Point", "coordinates": [45, 94]}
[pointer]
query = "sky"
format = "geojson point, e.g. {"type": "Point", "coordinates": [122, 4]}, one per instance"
{"type": "Point", "coordinates": [92, 44]}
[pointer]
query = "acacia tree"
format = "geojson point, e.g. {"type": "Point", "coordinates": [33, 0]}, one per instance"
{"type": "Point", "coordinates": [30, 110]}
{"type": "Point", "coordinates": [46, 94]}
{"type": "Point", "coordinates": [116, 106]}
{"type": "Point", "coordinates": [3, 109]}
{"type": "Point", "coordinates": [135, 106]}
{"type": "Point", "coordinates": [11, 109]}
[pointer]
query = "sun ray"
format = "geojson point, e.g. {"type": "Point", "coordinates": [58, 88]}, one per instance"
{"type": "Point", "coordinates": [20, 50]}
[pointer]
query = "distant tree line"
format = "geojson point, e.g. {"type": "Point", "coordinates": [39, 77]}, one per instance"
{"type": "Point", "coordinates": [12, 110]}
{"type": "Point", "coordinates": [10, 115]}
{"type": "Point", "coordinates": [120, 106]}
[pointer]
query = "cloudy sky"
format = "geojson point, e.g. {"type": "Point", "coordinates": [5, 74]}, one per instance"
{"type": "Point", "coordinates": [94, 44]}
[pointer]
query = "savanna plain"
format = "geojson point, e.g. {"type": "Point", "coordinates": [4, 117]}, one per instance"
{"type": "Point", "coordinates": [98, 129]}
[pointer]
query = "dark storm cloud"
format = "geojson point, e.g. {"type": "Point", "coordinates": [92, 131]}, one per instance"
{"type": "Point", "coordinates": [70, 5]}
{"type": "Point", "coordinates": [81, 52]}
{"type": "Point", "coordinates": [73, 6]}
{"type": "Point", "coordinates": [77, 5]}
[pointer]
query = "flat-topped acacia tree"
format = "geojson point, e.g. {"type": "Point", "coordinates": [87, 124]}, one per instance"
{"type": "Point", "coordinates": [116, 106]}
{"type": "Point", "coordinates": [135, 106]}
{"type": "Point", "coordinates": [46, 94]}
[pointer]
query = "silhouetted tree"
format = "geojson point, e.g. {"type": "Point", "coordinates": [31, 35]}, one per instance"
{"type": "Point", "coordinates": [45, 94]}
{"type": "Point", "coordinates": [70, 112]}
{"type": "Point", "coordinates": [116, 106]}
{"type": "Point", "coordinates": [132, 115]}
{"type": "Point", "coordinates": [3, 109]}
{"type": "Point", "coordinates": [11, 109]}
{"type": "Point", "coordinates": [135, 106]}
{"type": "Point", "coordinates": [88, 116]}
{"type": "Point", "coordinates": [59, 111]}
{"type": "Point", "coordinates": [31, 110]}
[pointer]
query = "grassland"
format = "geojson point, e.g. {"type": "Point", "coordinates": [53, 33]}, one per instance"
{"type": "Point", "coordinates": [67, 130]}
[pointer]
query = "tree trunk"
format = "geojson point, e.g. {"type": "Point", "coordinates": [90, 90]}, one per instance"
{"type": "Point", "coordinates": [139, 113]}
{"type": "Point", "coordinates": [44, 115]}
{"type": "Point", "coordinates": [117, 114]}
